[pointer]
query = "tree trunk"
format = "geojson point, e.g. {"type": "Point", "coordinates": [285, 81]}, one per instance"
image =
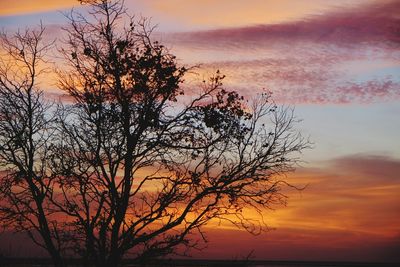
{"type": "Point", "coordinates": [114, 260]}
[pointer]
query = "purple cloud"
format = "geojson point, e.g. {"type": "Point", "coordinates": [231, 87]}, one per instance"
{"type": "Point", "coordinates": [307, 61]}
{"type": "Point", "coordinates": [375, 23]}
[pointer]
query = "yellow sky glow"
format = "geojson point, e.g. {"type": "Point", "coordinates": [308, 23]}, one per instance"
{"type": "Point", "coordinates": [231, 13]}
{"type": "Point", "coordinates": [18, 7]}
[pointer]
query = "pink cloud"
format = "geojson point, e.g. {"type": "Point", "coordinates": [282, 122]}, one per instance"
{"type": "Point", "coordinates": [375, 23]}
{"type": "Point", "coordinates": [342, 93]}
{"type": "Point", "coordinates": [305, 80]}
{"type": "Point", "coordinates": [304, 62]}
{"type": "Point", "coordinates": [299, 61]}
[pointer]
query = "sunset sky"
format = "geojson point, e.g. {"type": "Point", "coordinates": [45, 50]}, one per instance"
{"type": "Point", "coordinates": [338, 63]}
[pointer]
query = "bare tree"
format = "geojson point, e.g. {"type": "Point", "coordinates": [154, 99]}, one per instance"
{"type": "Point", "coordinates": [24, 134]}
{"type": "Point", "coordinates": [141, 167]}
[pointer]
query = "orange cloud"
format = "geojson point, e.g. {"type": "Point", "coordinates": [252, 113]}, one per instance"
{"type": "Point", "coordinates": [228, 13]}
{"type": "Point", "coordinates": [17, 7]}
{"type": "Point", "coordinates": [357, 193]}
{"type": "Point", "coordinates": [349, 211]}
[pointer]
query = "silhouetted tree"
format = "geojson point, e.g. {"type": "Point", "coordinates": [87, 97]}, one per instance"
{"type": "Point", "coordinates": [24, 134]}
{"type": "Point", "coordinates": [133, 165]}
{"type": "Point", "coordinates": [140, 166]}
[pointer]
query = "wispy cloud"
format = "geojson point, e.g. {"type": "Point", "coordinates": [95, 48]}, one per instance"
{"type": "Point", "coordinates": [375, 23]}
{"type": "Point", "coordinates": [308, 61]}
{"type": "Point", "coordinates": [350, 209]}
{"type": "Point", "coordinates": [301, 244]}
{"type": "Point", "coordinates": [320, 59]}
{"type": "Point", "coordinates": [17, 7]}
{"type": "Point", "coordinates": [350, 193]}
{"type": "Point", "coordinates": [304, 82]}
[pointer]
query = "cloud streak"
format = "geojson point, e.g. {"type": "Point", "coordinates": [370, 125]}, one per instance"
{"type": "Point", "coordinates": [304, 82]}
{"type": "Point", "coordinates": [375, 23]}
{"type": "Point", "coordinates": [350, 209]}
{"type": "Point", "coordinates": [300, 244]}
{"type": "Point", "coordinates": [308, 61]}
{"type": "Point", "coordinates": [356, 193]}
{"type": "Point", "coordinates": [25, 7]}
{"type": "Point", "coordinates": [348, 212]}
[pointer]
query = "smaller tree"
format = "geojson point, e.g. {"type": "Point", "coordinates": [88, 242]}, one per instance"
{"type": "Point", "coordinates": [24, 134]}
